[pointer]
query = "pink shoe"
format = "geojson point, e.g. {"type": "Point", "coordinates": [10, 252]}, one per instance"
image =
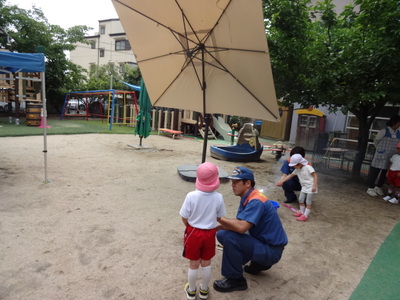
{"type": "Point", "coordinates": [302, 218]}
{"type": "Point", "coordinates": [298, 214]}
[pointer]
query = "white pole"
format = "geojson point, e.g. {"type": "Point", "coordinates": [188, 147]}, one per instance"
{"type": "Point", "coordinates": [171, 124]}
{"type": "Point", "coordinates": [46, 180]}
{"type": "Point", "coordinates": [166, 118]}
{"type": "Point", "coordinates": [159, 118]}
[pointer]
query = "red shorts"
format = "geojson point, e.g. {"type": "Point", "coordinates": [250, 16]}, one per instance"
{"type": "Point", "coordinates": [393, 179]}
{"type": "Point", "coordinates": [199, 243]}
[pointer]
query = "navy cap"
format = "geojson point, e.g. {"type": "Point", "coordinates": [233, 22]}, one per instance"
{"type": "Point", "coordinates": [240, 173]}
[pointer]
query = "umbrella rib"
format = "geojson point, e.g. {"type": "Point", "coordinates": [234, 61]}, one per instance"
{"type": "Point", "coordinates": [195, 70]}
{"type": "Point", "coordinates": [217, 22]}
{"type": "Point", "coordinates": [236, 49]}
{"type": "Point", "coordinates": [226, 70]}
{"type": "Point", "coordinates": [187, 22]}
{"type": "Point", "coordinates": [176, 77]}
{"type": "Point", "coordinates": [239, 82]}
{"type": "Point", "coordinates": [160, 56]}
{"type": "Point", "coordinates": [222, 68]}
{"type": "Point", "coordinates": [175, 33]}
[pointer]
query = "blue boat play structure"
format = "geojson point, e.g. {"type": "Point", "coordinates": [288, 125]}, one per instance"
{"type": "Point", "coordinates": [248, 148]}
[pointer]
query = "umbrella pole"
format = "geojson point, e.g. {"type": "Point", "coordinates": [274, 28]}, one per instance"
{"type": "Point", "coordinates": [206, 116]}
{"type": "Point", "coordinates": [207, 121]}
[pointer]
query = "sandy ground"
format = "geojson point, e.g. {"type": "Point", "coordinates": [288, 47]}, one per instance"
{"type": "Point", "coordinates": [108, 226]}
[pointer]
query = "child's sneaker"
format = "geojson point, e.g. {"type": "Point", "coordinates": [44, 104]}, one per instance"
{"type": "Point", "coordinates": [202, 293]}
{"type": "Point", "coordinates": [387, 198]}
{"type": "Point", "coordinates": [190, 295]}
{"type": "Point", "coordinates": [302, 218]}
{"type": "Point", "coordinates": [394, 201]}
{"type": "Point", "coordinates": [298, 214]}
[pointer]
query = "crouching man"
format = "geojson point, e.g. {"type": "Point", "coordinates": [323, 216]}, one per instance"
{"type": "Point", "coordinates": [256, 235]}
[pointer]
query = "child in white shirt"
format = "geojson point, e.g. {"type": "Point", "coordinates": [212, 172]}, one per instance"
{"type": "Point", "coordinates": [308, 180]}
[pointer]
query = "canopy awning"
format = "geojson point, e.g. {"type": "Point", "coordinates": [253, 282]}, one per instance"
{"type": "Point", "coordinates": [11, 62]}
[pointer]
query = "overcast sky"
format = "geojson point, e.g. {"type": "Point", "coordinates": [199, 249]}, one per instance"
{"type": "Point", "coordinates": [72, 12]}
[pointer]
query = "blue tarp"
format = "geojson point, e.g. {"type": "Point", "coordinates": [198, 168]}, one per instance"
{"type": "Point", "coordinates": [21, 62]}
{"type": "Point", "coordinates": [135, 87]}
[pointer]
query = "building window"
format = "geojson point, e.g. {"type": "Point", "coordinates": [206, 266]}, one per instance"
{"type": "Point", "coordinates": [92, 44]}
{"type": "Point", "coordinates": [101, 52]}
{"type": "Point", "coordinates": [122, 45]}
{"type": "Point", "coordinates": [102, 29]}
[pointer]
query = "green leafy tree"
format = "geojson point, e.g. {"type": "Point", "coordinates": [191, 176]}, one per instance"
{"type": "Point", "coordinates": [110, 75]}
{"type": "Point", "coordinates": [29, 29]}
{"type": "Point", "coordinates": [348, 60]}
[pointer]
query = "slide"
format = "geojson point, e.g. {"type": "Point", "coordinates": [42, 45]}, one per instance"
{"type": "Point", "coordinates": [222, 128]}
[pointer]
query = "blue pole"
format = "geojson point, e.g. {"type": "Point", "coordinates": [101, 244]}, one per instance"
{"type": "Point", "coordinates": [112, 109]}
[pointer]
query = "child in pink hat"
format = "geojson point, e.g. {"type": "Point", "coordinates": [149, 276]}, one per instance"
{"type": "Point", "coordinates": [393, 178]}
{"type": "Point", "coordinates": [200, 212]}
{"type": "Point", "coordinates": [308, 180]}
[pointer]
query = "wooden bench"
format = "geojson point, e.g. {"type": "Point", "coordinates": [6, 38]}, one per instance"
{"type": "Point", "coordinates": [170, 132]}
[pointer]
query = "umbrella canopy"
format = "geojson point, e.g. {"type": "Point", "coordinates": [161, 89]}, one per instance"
{"type": "Point", "coordinates": [144, 117]}
{"type": "Point", "coordinates": [209, 56]}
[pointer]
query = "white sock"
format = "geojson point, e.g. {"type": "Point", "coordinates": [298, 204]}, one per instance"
{"type": "Point", "coordinates": [307, 212]}
{"type": "Point", "coordinates": [206, 277]}
{"type": "Point", "coordinates": [302, 209]}
{"type": "Point", "coordinates": [192, 277]}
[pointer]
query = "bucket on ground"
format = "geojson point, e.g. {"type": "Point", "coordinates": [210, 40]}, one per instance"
{"type": "Point", "coordinates": [33, 114]}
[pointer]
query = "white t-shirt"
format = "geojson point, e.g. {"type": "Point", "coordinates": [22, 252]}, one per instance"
{"type": "Point", "coordinates": [395, 160]}
{"type": "Point", "coordinates": [306, 179]}
{"type": "Point", "coordinates": [202, 209]}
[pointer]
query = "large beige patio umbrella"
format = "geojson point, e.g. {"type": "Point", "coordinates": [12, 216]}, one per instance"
{"type": "Point", "coordinates": [209, 56]}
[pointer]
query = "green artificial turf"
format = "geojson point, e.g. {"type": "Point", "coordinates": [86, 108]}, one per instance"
{"type": "Point", "coordinates": [381, 281]}
{"type": "Point", "coordinates": [65, 126]}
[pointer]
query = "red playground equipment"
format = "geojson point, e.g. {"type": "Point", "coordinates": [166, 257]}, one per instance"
{"type": "Point", "coordinates": [117, 106]}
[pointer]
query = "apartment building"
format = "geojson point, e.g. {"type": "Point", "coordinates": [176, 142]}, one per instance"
{"type": "Point", "coordinates": [109, 46]}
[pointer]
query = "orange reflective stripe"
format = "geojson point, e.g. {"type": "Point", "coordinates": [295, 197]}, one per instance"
{"type": "Point", "coordinates": [255, 195]}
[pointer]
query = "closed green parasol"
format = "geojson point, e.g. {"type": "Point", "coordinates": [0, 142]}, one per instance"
{"type": "Point", "coordinates": [144, 117]}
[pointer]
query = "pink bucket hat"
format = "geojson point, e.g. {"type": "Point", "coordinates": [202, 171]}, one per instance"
{"type": "Point", "coordinates": [207, 177]}
{"type": "Point", "coordinates": [297, 159]}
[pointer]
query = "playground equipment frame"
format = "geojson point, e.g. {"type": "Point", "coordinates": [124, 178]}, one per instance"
{"type": "Point", "coordinates": [112, 95]}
